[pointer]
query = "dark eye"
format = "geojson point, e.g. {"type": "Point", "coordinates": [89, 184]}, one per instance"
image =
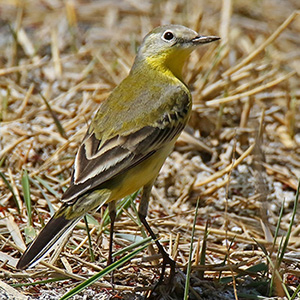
{"type": "Point", "coordinates": [168, 35]}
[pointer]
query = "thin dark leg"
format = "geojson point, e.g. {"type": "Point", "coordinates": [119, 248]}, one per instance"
{"type": "Point", "coordinates": [143, 208]}
{"type": "Point", "coordinates": [112, 214]}
{"type": "Point", "coordinates": [166, 258]}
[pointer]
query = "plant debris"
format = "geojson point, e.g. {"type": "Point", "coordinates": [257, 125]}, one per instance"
{"type": "Point", "coordinates": [240, 154]}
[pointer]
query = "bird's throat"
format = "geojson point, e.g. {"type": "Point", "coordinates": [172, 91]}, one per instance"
{"type": "Point", "coordinates": [170, 65]}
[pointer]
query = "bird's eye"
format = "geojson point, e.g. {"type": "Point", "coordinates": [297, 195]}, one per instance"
{"type": "Point", "coordinates": [168, 36]}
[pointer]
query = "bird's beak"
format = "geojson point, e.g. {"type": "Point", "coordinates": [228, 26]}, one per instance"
{"type": "Point", "coordinates": [198, 40]}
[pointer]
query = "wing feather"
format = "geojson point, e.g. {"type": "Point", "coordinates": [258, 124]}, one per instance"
{"type": "Point", "coordinates": [98, 161]}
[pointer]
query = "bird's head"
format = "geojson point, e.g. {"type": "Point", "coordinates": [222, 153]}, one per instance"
{"type": "Point", "coordinates": [167, 47]}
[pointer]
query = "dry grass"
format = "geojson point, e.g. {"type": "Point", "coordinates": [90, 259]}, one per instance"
{"type": "Point", "coordinates": [240, 154]}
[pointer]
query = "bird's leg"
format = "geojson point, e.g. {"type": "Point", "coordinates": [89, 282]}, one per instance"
{"type": "Point", "coordinates": [143, 208]}
{"type": "Point", "coordinates": [112, 214]}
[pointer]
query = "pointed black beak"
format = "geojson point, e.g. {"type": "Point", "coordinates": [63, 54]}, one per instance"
{"type": "Point", "coordinates": [204, 39]}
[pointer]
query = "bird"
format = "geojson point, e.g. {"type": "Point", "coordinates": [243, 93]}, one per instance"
{"type": "Point", "coordinates": [128, 140]}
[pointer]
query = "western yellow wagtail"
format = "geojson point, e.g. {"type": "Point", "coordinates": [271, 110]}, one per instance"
{"type": "Point", "coordinates": [128, 140]}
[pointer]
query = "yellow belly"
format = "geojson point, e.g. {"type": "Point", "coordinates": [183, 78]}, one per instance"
{"type": "Point", "coordinates": [137, 177]}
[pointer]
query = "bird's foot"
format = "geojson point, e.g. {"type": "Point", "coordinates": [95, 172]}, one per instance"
{"type": "Point", "coordinates": [167, 260]}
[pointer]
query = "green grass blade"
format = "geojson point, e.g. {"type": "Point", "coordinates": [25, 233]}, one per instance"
{"type": "Point", "coordinates": [28, 230]}
{"type": "Point", "coordinates": [261, 267]}
{"type": "Point", "coordinates": [283, 244]}
{"type": "Point", "coordinates": [101, 274]}
{"type": "Point", "coordinates": [52, 210]}
{"type": "Point", "coordinates": [278, 224]}
{"type": "Point", "coordinates": [16, 285]}
{"type": "Point", "coordinates": [255, 297]}
{"type": "Point", "coordinates": [26, 193]}
{"type": "Point", "coordinates": [137, 218]}
{"type": "Point", "coordinates": [123, 204]}
{"type": "Point", "coordinates": [189, 266]}
{"type": "Point", "coordinates": [273, 247]}
{"type": "Point", "coordinates": [288, 234]}
{"type": "Point", "coordinates": [226, 258]}
{"type": "Point", "coordinates": [47, 186]}
{"type": "Point", "coordinates": [2, 160]}
{"type": "Point", "coordinates": [295, 294]}
{"type": "Point", "coordinates": [133, 246]}
{"type": "Point", "coordinates": [92, 220]}
{"type": "Point", "coordinates": [275, 272]}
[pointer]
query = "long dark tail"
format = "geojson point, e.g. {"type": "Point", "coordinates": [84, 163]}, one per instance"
{"type": "Point", "coordinates": [51, 235]}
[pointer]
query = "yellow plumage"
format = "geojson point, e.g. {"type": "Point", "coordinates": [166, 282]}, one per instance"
{"type": "Point", "coordinates": [129, 138]}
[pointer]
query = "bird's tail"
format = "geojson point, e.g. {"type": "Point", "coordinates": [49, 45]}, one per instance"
{"type": "Point", "coordinates": [51, 235]}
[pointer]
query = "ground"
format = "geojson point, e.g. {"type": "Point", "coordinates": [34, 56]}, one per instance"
{"type": "Point", "coordinates": [239, 156]}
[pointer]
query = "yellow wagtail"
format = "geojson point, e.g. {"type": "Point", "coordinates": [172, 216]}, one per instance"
{"type": "Point", "coordinates": [129, 139]}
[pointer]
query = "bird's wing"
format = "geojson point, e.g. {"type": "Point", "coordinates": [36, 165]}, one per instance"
{"type": "Point", "coordinates": [97, 161]}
